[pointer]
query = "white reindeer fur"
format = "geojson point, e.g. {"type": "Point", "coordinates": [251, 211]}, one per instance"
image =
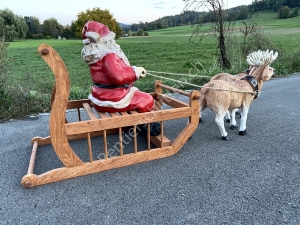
{"type": "Point", "coordinates": [230, 98]}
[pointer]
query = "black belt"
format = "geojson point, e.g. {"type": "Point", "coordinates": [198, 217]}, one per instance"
{"type": "Point", "coordinates": [253, 82]}
{"type": "Point", "coordinates": [98, 85]}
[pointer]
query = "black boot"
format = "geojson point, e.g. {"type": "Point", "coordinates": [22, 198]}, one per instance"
{"type": "Point", "coordinates": [155, 129]}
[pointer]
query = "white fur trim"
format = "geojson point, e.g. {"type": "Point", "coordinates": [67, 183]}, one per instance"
{"type": "Point", "coordinates": [108, 37]}
{"type": "Point", "coordinates": [93, 52]}
{"type": "Point", "coordinates": [86, 41]}
{"type": "Point", "coordinates": [136, 72]}
{"type": "Point", "coordinates": [93, 36]}
{"type": "Point", "coordinates": [117, 105]}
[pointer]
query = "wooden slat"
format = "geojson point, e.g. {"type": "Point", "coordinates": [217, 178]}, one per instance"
{"type": "Point", "coordinates": [161, 133]}
{"type": "Point", "coordinates": [105, 145]}
{"type": "Point", "coordinates": [89, 111]}
{"type": "Point", "coordinates": [32, 158]}
{"type": "Point", "coordinates": [77, 103]}
{"type": "Point", "coordinates": [172, 101]}
{"type": "Point", "coordinates": [102, 114]}
{"type": "Point", "coordinates": [121, 141]}
{"type": "Point", "coordinates": [148, 137]}
{"type": "Point", "coordinates": [135, 139]}
{"type": "Point", "coordinates": [156, 140]}
{"type": "Point", "coordinates": [126, 121]}
{"type": "Point", "coordinates": [113, 114]}
{"type": "Point", "coordinates": [123, 113]}
{"type": "Point", "coordinates": [47, 140]}
{"type": "Point", "coordinates": [175, 90]}
{"type": "Point", "coordinates": [90, 147]}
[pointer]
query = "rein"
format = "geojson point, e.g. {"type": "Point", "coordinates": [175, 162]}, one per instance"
{"type": "Point", "coordinates": [194, 85]}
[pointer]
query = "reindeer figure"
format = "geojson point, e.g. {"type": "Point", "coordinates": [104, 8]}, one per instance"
{"type": "Point", "coordinates": [222, 96]}
{"type": "Point", "coordinates": [231, 78]}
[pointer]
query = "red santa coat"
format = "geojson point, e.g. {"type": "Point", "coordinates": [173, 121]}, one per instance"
{"type": "Point", "coordinates": [113, 89]}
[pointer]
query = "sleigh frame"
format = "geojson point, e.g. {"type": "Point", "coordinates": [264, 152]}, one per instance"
{"type": "Point", "coordinates": [104, 124]}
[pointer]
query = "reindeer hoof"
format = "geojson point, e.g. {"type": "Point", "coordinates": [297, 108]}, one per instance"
{"type": "Point", "coordinates": [243, 132]}
{"type": "Point", "coordinates": [225, 138]}
{"type": "Point", "coordinates": [233, 127]}
{"type": "Point", "coordinates": [228, 120]}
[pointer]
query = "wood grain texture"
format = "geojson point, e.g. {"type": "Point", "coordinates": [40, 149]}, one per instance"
{"type": "Point", "coordinates": [96, 166]}
{"type": "Point", "coordinates": [57, 117]}
{"type": "Point", "coordinates": [125, 121]}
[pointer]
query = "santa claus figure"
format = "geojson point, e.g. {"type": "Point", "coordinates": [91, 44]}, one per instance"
{"type": "Point", "coordinates": [112, 75]}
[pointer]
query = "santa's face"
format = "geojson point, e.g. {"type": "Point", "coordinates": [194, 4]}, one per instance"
{"type": "Point", "coordinates": [94, 27]}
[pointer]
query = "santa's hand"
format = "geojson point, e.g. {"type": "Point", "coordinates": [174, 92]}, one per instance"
{"type": "Point", "coordinates": [140, 72]}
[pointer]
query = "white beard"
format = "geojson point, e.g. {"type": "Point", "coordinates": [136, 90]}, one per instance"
{"type": "Point", "coordinates": [93, 52]}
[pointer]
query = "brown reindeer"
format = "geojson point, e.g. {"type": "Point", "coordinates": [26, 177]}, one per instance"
{"type": "Point", "coordinates": [222, 96]}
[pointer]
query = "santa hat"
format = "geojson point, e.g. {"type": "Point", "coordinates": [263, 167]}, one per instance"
{"type": "Point", "coordinates": [96, 32]}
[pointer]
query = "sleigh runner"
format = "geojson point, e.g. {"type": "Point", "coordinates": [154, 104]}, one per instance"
{"type": "Point", "coordinates": [104, 124]}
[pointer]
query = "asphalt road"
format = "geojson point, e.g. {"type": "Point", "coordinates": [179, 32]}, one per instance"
{"type": "Point", "coordinates": [252, 179]}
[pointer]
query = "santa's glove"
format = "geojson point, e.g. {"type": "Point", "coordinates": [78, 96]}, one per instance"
{"type": "Point", "coordinates": [139, 72]}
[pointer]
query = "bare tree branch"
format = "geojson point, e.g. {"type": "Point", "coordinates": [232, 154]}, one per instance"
{"type": "Point", "coordinates": [219, 28]}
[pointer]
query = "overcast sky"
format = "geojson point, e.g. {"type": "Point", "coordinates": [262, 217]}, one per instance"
{"type": "Point", "coordinates": [124, 11]}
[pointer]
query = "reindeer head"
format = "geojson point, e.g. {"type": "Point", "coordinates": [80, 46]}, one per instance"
{"type": "Point", "coordinates": [262, 60]}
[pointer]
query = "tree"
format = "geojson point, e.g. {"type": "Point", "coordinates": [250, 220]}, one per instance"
{"type": "Point", "coordinates": [243, 14]}
{"type": "Point", "coordinates": [295, 12]}
{"type": "Point", "coordinates": [284, 12]}
{"type": "Point", "coordinates": [279, 4]}
{"type": "Point", "coordinates": [250, 31]}
{"type": "Point", "coordinates": [217, 27]}
{"type": "Point", "coordinates": [11, 25]}
{"type": "Point", "coordinates": [52, 28]}
{"type": "Point", "coordinates": [99, 15]}
{"type": "Point", "coordinates": [140, 32]}
{"type": "Point", "coordinates": [34, 26]}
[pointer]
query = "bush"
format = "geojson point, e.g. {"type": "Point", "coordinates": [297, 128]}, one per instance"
{"type": "Point", "coordinates": [253, 39]}
{"type": "Point", "coordinates": [4, 93]}
{"type": "Point", "coordinates": [37, 36]}
{"type": "Point", "coordinates": [295, 12]}
{"type": "Point", "coordinates": [284, 12]}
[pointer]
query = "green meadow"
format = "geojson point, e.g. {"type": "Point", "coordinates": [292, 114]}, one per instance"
{"type": "Point", "coordinates": [167, 50]}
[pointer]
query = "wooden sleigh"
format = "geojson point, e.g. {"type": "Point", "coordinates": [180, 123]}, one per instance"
{"type": "Point", "coordinates": [104, 124]}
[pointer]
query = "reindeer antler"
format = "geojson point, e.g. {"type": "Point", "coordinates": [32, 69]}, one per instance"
{"type": "Point", "coordinates": [261, 58]}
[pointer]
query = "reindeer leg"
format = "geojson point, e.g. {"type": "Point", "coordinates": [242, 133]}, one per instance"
{"type": "Point", "coordinates": [233, 121]}
{"type": "Point", "coordinates": [242, 130]}
{"type": "Point", "coordinates": [219, 119]}
{"type": "Point", "coordinates": [202, 107]}
{"type": "Point", "coordinates": [227, 116]}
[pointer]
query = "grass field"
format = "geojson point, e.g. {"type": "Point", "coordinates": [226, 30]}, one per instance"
{"type": "Point", "coordinates": [167, 50]}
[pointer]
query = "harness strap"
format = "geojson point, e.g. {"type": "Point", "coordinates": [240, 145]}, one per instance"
{"type": "Point", "coordinates": [253, 83]}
